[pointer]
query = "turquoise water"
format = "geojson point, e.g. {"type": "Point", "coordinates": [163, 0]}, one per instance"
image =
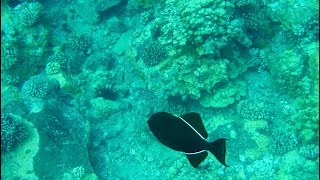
{"type": "Point", "coordinates": [80, 78]}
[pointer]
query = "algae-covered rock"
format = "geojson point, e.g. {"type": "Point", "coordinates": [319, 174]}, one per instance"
{"type": "Point", "coordinates": [19, 162]}
{"type": "Point", "coordinates": [63, 135]}
{"type": "Point", "coordinates": [123, 43]}
{"type": "Point", "coordinates": [224, 95]}
{"type": "Point", "coordinates": [313, 61]}
{"type": "Point", "coordinates": [103, 108]}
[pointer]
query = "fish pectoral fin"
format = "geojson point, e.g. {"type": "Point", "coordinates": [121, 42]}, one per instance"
{"type": "Point", "coordinates": [196, 158]}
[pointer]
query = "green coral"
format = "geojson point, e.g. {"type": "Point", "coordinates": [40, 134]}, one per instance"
{"type": "Point", "coordinates": [10, 79]}
{"type": "Point", "coordinates": [78, 172]}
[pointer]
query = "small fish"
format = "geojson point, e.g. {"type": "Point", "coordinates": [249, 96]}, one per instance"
{"type": "Point", "coordinates": [186, 134]}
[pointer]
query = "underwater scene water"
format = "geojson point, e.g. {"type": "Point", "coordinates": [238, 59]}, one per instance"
{"type": "Point", "coordinates": [159, 89]}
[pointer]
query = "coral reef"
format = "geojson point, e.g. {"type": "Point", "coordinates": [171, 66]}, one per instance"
{"type": "Point", "coordinates": [293, 15]}
{"type": "Point", "coordinates": [65, 132]}
{"type": "Point", "coordinates": [78, 172]}
{"type": "Point", "coordinates": [13, 133]}
{"type": "Point", "coordinates": [8, 56]}
{"type": "Point", "coordinates": [257, 56]}
{"type": "Point", "coordinates": [205, 25]}
{"type": "Point", "coordinates": [36, 90]}
{"type": "Point", "coordinates": [284, 141]}
{"type": "Point", "coordinates": [53, 68]}
{"type": "Point", "coordinates": [79, 77]}
{"type": "Point", "coordinates": [310, 151]}
{"type": "Point", "coordinates": [264, 168]}
{"type": "Point", "coordinates": [151, 52]}
{"type": "Point", "coordinates": [79, 42]}
{"type": "Point", "coordinates": [27, 13]}
{"type": "Point", "coordinates": [252, 110]}
{"type": "Point", "coordinates": [225, 95]}
{"type": "Point", "coordinates": [37, 86]}
{"type": "Point", "coordinates": [60, 58]}
{"type": "Point", "coordinates": [289, 72]}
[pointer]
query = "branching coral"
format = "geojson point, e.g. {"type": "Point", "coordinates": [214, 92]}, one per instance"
{"type": "Point", "coordinates": [28, 12]}
{"type": "Point", "coordinates": [13, 133]}
{"type": "Point", "coordinates": [9, 56]}
{"type": "Point", "coordinates": [252, 110]}
{"type": "Point", "coordinates": [151, 52]}
{"type": "Point", "coordinates": [310, 151]}
{"type": "Point", "coordinates": [79, 42]}
{"type": "Point", "coordinates": [284, 141]}
{"type": "Point", "coordinates": [37, 86]}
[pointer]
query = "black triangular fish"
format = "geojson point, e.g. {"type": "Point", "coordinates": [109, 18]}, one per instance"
{"type": "Point", "coordinates": [187, 134]}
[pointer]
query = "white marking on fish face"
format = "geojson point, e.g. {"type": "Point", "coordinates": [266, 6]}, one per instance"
{"type": "Point", "coordinates": [198, 152]}
{"type": "Point", "coordinates": [191, 127]}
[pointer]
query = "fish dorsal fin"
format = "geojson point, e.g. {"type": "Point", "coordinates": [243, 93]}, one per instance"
{"type": "Point", "coordinates": [195, 121]}
{"type": "Point", "coordinates": [196, 159]}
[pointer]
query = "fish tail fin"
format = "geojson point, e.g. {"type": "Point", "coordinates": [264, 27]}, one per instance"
{"type": "Point", "coordinates": [196, 158]}
{"type": "Point", "coordinates": [218, 149]}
